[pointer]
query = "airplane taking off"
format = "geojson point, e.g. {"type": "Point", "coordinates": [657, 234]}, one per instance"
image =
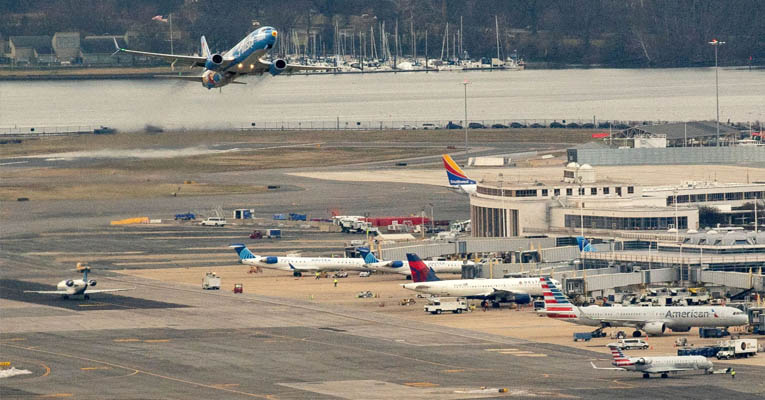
{"type": "Point", "coordinates": [246, 58]}
{"type": "Point", "coordinates": [402, 267]}
{"type": "Point", "coordinates": [516, 290]}
{"type": "Point", "coordinates": [77, 287]}
{"type": "Point", "coordinates": [457, 178]}
{"type": "Point", "coordinates": [298, 265]}
{"type": "Point", "coordinates": [657, 365]}
{"type": "Point", "coordinates": [651, 320]}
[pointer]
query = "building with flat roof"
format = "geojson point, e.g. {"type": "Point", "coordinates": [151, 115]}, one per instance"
{"type": "Point", "coordinates": [579, 202]}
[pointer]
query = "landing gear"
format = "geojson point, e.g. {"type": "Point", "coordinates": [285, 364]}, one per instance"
{"type": "Point", "coordinates": [297, 274]}
{"type": "Point", "coordinates": [86, 297]}
{"type": "Point", "coordinates": [646, 376]}
{"type": "Point", "coordinates": [637, 334]}
{"type": "Point", "coordinates": [494, 304]}
{"type": "Point", "coordinates": [664, 375]}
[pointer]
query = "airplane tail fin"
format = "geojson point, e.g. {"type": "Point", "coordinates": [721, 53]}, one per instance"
{"type": "Point", "coordinates": [367, 255]}
{"type": "Point", "coordinates": [205, 49]}
{"type": "Point", "coordinates": [242, 250]}
{"type": "Point", "coordinates": [455, 174]}
{"type": "Point", "coordinates": [584, 244]}
{"type": "Point", "coordinates": [84, 269]}
{"type": "Point", "coordinates": [620, 359]}
{"type": "Point", "coordinates": [420, 271]}
{"type": "Point", "coordinates": [557, 304]}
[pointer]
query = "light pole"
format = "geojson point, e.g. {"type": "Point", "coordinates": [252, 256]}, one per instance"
{"type": "Point", "coordinates": [466, 83]}
{"type": "Point", "coordinates": [716, 43]}
{"type": "Point", "coordinates": [432, 221]}
{"type": "Point", "coordinates": [677, 227]}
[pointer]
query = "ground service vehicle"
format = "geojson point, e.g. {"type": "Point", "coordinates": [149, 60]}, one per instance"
{"type": "Point", "coordinates": [211, 281]}
{"type": "Point", "coordinates": [629, 344]}
{"type": "Point", "coordinates": [437, 305]}
{"type": "Point", "coordinates": [736, 348]}
{"type": "Point", "coordinates": [214, 221]}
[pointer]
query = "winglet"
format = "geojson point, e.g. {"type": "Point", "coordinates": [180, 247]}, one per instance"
{"type": "Point", "coordinates": [205, 48]}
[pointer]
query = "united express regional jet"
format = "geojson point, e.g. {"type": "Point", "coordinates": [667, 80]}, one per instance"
{"type": "Point", "coordinates": [246, 58]}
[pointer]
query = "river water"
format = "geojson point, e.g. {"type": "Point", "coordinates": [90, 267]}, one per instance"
{"type": "Point", "coordinates": [574, 94]}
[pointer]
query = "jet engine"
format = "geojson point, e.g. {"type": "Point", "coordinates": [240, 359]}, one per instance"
{"type": "Point", "coordinates": [685, 329]}
{"type": "Point", "coordinates": [522, 298]}
{"type": "Point", "coordinates": [272, 260]}
{"type": "Point", "coordinates": [211, 79]}
{"type": "Point", "coordinates": [397, 264]}
{"type": "Point", "coordinates": [214, 61]}
{"type": "Point", "coordinates": [92, 282]}
{"type": "Point", "coordinates": [654, 328]}
{"type": "Point", "coordinates": [277, 67]}
{"type": "Point", "coordinates": [642, 361]}
{"type": "Point", "coordinates": [70, 283]}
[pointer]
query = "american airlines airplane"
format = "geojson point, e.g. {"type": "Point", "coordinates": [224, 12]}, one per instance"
{"type": "Point", "coordinates": [246, 58]}
{"type": "Point", "coordinates": [77, 287]}
{"type": "Point", "coordinates": [651, 320]}
{"type": "Point", "coordinates": [457, 178]}
{"type": "Point", "coordinates": [657, 365]}
{"type": "Point", "coordinates": [402, 267]}
{"type": "Point", "coordinates": [516, 290]}
{"type": "Point", "coordinates": [298, 265]}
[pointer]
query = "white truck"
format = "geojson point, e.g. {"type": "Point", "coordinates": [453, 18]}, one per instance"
{"type": "Point", "coordinates": [437, 305]}
{"type": "Point", "coordinates": [211, 281]}
{"type": "Point", "coordinates": [736, 348]}
{"type": "Point", "coordinates": [214, 221]}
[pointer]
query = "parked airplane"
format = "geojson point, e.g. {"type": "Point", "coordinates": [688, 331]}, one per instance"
{"type": "Point", "coordinates": [298, 265]}
{"type": "Point", "coordinates": [402, 267]}
{"type": "Point", "coordinates": [657, 365]}
{"type": "Point", "coordinates": [516, 290]}
{"type": "Point", "coordinates": [457, 178]}
{"type": "Point", "coordinates": [77, 287]}
{"type": "Point", "coordinates": [651, 320]}
{"type": "Point", "coordinates": [246, 58]}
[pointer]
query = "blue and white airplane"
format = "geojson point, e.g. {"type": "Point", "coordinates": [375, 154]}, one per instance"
{"type": "Point", "coordinates": [299, 265]}
{"type": "Point", "coordinates": [402, 267]}
{"type": "Point", "coordinates": [246, 58]}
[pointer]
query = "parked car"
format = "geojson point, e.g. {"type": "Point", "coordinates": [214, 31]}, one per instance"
{"type": "Point", "coordinates": [573, 125]}
{"type": "Point", "coordinates": [516, 125]}
{"type": "Point", "coordinates": [214, 221]}
{"type": "Point", "coordinates": [588, 125]}
{"type": "Point", "coordinates": [629, 344]}
{"type": "Point", "coordinates": [364, 274]}
{"type": "Point", "coordinates": [556, 124]}
{"type": "Point", "coordinates": [476, 125]}
{"type": "Point", "coordinates": [429, 126]}
{"type": "Point", "coordinates": [604, 125]}
{"type": "Point", "coordinates": [499, 126]}
{"type": "Point", "coordinates": [406, 127]}
{"type": "Point", "coordinates": [536, 125]}
{"type": "Point", "coordinates": [452, 125]}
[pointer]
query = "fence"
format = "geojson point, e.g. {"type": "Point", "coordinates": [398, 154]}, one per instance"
{"type": "Point", "coordinates": [671, 155]}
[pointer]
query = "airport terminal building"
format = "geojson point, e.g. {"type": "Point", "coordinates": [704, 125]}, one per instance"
{"type": "Point", "coordinates": [511, 209]}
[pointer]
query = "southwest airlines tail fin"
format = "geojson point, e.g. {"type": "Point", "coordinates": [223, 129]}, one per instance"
{"type": "Point", "coordinates": [584, 244]}
{"type": "Point", "coordinates": [455, 174]}
{"type": "Point", "coordinates": [420, 271]}
{"type": "Point", "coordinates": [243, 251]}
{"type": "Point", "coordinates": [205, 49]}
{"type": "Point", "coordinates": [556, 303]}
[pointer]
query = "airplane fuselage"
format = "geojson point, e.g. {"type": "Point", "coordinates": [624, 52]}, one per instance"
{"type": "Point", "coordinates": [402, 267]}
{"type": "Point", "coordinates": [477, 287]}
{"type": "Point", "coordinates": [307, 263]}
{"type": "Point", "coordinates": [74, 287]}
{"type": "Point", "coordinates": [675, 318]}
{"type": "Point", "coordinates": [242, 58]}
{"type": "Point", "coordinates": [666, 364]}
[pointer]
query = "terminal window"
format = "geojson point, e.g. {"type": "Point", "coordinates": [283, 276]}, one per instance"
{"type": "Point", "coordinates": [605, 190]}
{"type": "Point", "coordinates": [594, 191]}
{"type": "Point", "coordinates": [630, 189]}
{"type": "Point", "coordinates": [556, 192]}
{"type": "Point", "coordinates": [569, 191]}
{"type": "Point", "coordinates": [526, 193]}
{"type": "Point", "coordinates": [544, 192]}
{"type": "Point", "coordinates": [625, 223]}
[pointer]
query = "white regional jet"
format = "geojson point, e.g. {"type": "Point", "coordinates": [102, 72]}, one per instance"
{"type": "Point", "coordinates": [516, 290]}
{"type": "Point", "coordinates": [77, 287]}
{"type": "Point", "coordinates": [298, 265]}
{"type": "Point", "coordinates": [651, 320]}
{"type": "Point", "coordinates": [402, 267]}
{"type": "Point", "coordinates": [657, 365]}
{"type": "Point", "coordinates": [246, 58]}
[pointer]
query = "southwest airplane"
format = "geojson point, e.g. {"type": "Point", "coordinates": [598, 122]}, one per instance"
{"type": "Point", "coordinates": [651, 320]}
{"type": "Point", "coordinates": [77, 287]}
{"type": "Point", "coordinates": [516, 290]}
{"type": "Point", "coordinates": [657, 365]}
{"type": "Point", "coordinates": [243, 59]}
{"type": "Point", "coordinates": [298, 265]}
{"type": "Point", "coordinates": [457, 178]}
{"type": "Point", "coordinates": [402, 267]}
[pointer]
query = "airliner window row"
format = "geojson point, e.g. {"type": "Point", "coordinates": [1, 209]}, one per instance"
{"type": "Point", "coordinates": [722, 196]}
{"type": "Point", "coordinates": [583, 191]}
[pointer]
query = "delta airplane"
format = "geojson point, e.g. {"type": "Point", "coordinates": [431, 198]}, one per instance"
{"type": "Point", "coordinates": [657, 365]}
{"type": "Point", "coordinates": [651, 320]}
{"type": "Point", "coordinates": [516, 290]}
{"type": "Point", "coordinates": [246, 58]}
{"type": "Point", "coordinates": [402, 267]}
{"type": "Point", "coordinates": [77, 287]}
{"type": "Point", "coordinates": [299, 265]}
{"type": "Point", "coordinates": [457, 178]}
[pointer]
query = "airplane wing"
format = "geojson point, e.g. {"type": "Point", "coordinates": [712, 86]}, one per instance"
{"type": "Point", "coordinates": [264, 65]}
{"type": "Point", "coordinates": [503, 294]}
{"type": "Point", "coordinates": [611, 368]}
{"type": "Point", "coordinates": [106, 290]}
{"type": "Point", "coordinates": [47, 291]}
{"type": "Point", "coordinates": [302, 268]}
{"type": "Point", "coordinates": [198, 61]}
